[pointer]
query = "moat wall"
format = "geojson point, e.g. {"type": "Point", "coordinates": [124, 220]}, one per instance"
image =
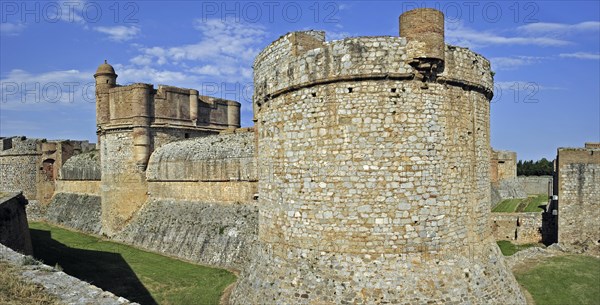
{"type": "Point", "coordinates": [206, 233]}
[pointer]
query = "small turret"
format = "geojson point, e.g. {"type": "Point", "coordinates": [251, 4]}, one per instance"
{"type": "Point", "coordinates": [424, 31]}
{"type": "Point", "coordinates": [106, 78]}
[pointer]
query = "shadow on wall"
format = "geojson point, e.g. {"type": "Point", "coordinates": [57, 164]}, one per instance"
{"type": "Point", "coordinates": [550, 223]}
{"type": "Point", "coordinates": [106, 270]}
{"type": "Point", "coordinates": [14, 230]}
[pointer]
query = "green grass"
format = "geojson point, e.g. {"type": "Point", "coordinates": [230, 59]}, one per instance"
{"type": "Point", "coordinates": [529, 204]}
{"type": "Point", "coordinates": [137, 275]}
{"type": "Point", "coordinates": [507, 206]}
{"type": "Point", "coordinates": [535, 202]}
{"type": "Point", "coordinates": [573, 279]}
{"type": "Point", "coordinates": [509, 248]}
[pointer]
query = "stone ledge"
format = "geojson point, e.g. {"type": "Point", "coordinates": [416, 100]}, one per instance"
{"type": "Point", "coordinates": [68, 289]}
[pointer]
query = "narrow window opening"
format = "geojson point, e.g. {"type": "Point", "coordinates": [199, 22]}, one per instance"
{"type": "Point", "coordinates": [186, 135]}
{"type": "Point", "coordinates": [393, 90]}
{"type": "Point", "coordinates": [350, 90]}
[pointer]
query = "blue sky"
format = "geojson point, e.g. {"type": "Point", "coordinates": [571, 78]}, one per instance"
{"type": "Point", "coordinates": [546, 56]}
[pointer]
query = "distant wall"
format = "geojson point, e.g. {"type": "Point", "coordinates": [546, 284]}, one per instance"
{"type": "Point", "coordinates": [14, 230]}
{"type": "Point", "coordinates": [506, 189]}
{"type": "Point", "coordinates": [18, 165]}
{"type": "Point", "coordinates": [503, 165]}
{"type": "Point", "coordinates": [578, 173]}
{"type": "Point", "coordinates": [534, 185]}
{"type": "Point", "coordinates": [519, 228]}
{"type": "Point", "coordinates": [212, 234]}
{"type": "Point", "coordinates": [201, 204]}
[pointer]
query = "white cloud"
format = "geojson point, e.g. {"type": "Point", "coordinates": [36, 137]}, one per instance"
{"type": "Point", "coordinates": [458, 34]}
{"type": "Point", "coordinates": [22, 90]}
{"type": "Point", "coordinates": [581, 55]}
{"type": "Point", "coordinates": [559, 28]}
{"type": "Point", "coordinates": [335, 35]}
{"type": "Point", "coordinates": [511, 63]}
{"type": "Point", "coordinates": [11, 29]}
{"type": "Point", "coordinates": [150, 75]}
{"type": "Point", "coordinates": [225, 51]}
{"type": "Point", "coordinates": [119, 33]}
{"type": "Point", "coordinates": [70, 11]}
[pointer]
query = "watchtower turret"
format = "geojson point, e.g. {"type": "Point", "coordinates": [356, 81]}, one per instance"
{"type": "Point", "coordinates": [106, 78]}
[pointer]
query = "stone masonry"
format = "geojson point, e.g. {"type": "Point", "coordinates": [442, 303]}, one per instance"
{"type": "Point", "coordinates": [578, 190]}
{"type": "Point", "coordinates": [503, 165]}
{"type": "Point", "coordinates": [31, 165]}
{"type": "Point", "coordinates": [135, 120]}
{"type": "Point", "coordinates": [374, 158]}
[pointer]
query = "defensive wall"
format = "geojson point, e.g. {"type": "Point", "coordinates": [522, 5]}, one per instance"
{"type": "Point", "coordinates": [578, 194]}
{"type": "Point", "coordinates": [31, 165]}
{"type": "Point", "coordinates": [503, 165]}
{"type": "Point", "coordinates": [505, 184]}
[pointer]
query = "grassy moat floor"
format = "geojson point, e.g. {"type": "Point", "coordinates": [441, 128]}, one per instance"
{"type": "Point", "coordinates": [150, 278]}
{"type": "Point", "coordinates": [140, 276]}
{"type": "Point", "coordinates": [529, 204]}
{"type": "Point", "coordinates": [558, 280]}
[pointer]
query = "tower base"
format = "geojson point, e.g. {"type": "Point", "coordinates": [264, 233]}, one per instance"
{"type": "Point", "coordinates": [477, 275]}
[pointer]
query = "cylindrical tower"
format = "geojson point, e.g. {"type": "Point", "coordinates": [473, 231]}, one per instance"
{"type": "Point", "coordinates": [424, 27]}
{"type": "Point", "coordinates": [106, 78]}
{"type": "Point", "coordinates": [233, 114]}
{"type": "Point", "coordinates": [140, 99]}
{"type": "Point", "coordinates": [372, 187]}
{"type": "Point", "coordinates": [194, 106]}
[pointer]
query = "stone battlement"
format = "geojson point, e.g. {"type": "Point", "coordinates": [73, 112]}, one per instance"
{"type": "Point", "coordinates": [304, 59]}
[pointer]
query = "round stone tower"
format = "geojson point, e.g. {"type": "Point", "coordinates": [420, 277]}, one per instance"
{"type": "Point", "coordinates": [374, 173]}
{"type": "Point", "coordinates": [106, 78]}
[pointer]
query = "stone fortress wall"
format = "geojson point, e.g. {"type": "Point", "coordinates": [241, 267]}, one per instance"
{"type": "Point", "coordinates": [519, 228]}
{"type": "Point", "coordinates": [19, 159]}
{"type": "Point", "coordinates": [578, 191]}
{"type": "Point", "coordinates": [374, 169]}
{"type": "Point", "coordinates": [32, 165]}
{"type": "Point", "coordinates": [503, 165]}
{"type": "Point", "coordinates": [135, 120]}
